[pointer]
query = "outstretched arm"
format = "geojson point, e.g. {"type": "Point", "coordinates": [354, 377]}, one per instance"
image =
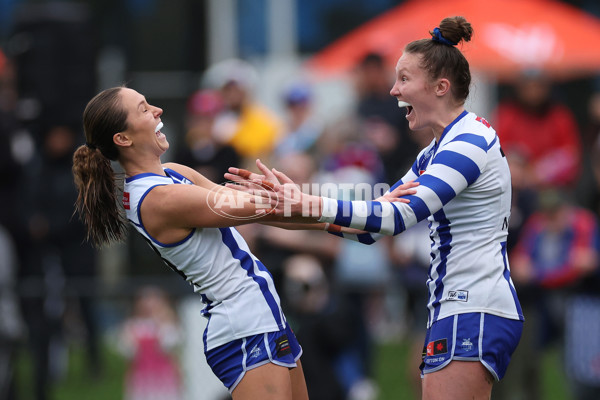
{"type": "Point", "coordinates": [247, 181]}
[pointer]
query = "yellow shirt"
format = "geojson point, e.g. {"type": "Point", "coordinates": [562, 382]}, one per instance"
{"type": "Point", "coordinates": [257, 131]}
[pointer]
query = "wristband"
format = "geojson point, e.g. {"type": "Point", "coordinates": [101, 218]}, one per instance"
{"type": "Point", "coordinates": [333, 228]}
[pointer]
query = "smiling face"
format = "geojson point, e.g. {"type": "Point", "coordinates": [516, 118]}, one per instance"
{"type": "Point", "coordinates": [413, 86]}
{"type": "Point", "coordinates": [143, 122]}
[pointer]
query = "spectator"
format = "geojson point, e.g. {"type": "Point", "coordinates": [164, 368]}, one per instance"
{"type": "Point", "coordinates": [201, 150]}
{"type": "Point", "coordinates": [149, 339]}
{"type": "Point", "coordinates": [557, 250]}
{"type": "Point", "coordinates": [321, 322]}
{"type": "Point", "coordinates": [543, 130]}
{"type": "Point", "coordinates": [303, 129]}
{"type": "Point", "coordinates": [588, 190]}
{"type": "Point", "coordinates": [58, 269]}
{"type": "Point", "coordinates": [251, 128]}
{"type": "Point", "coordinates": [384, 126]}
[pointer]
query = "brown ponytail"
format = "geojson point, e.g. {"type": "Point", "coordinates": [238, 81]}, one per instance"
{"type": "Point", "coordinates": [99, 198]}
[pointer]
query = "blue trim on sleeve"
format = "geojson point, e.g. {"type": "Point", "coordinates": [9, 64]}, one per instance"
{"type": "Point", "coordinates": [395, 185]}
{"type": "Point", "coordinates": [365, 238]}
{"type": "Point", "coordinates": [343, 216]}
{"type": "Point", "coordinates": [375, 212]}
{"type": "Point", "coordinates": [418, 206]}
{"type": "Point", "coordinates": [476, 140]}
{"type": "Point", "coordinates": [463, 164]}
{"type": "Point", "coordinates": [399, 225]}
{"type": "Point", "coordinates": [441, 188]}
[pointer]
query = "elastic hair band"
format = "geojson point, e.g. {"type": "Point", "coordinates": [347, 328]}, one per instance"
{"type": "Point", "coordinates": [437, 37]}
{"type": "Point", "coordinates": [91, 146]}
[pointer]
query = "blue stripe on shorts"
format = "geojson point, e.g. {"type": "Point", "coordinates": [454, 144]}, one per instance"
{"type": "Point", "coordinates": [471, 337]}
{"type": "Point", "coordinates": [230, 361]}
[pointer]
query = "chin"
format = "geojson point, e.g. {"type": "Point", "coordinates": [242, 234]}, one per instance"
{"type": "Point", "coordinates": [164, 146]}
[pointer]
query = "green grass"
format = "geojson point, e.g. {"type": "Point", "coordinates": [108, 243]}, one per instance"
{"type": "Point", "coordinates": [77, 383]}
{"type": "Point", "coordinates": [554, 384]}
{"type": "Point", "coordinates": [391, 371]}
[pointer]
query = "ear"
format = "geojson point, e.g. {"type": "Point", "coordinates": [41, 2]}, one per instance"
{"type": "Point", "coordinates": [121, 139]}
{"type": "Point", "coordinates": [442, 87]}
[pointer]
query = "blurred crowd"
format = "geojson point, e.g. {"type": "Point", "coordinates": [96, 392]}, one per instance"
{"type": "Point", "coordinates": [342, 298]}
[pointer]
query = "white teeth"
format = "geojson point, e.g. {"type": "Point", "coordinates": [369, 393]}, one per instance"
{"type": "Point", "coordinates": [158, 127]}
{"type": "Point", "coordinates": [402, 104]}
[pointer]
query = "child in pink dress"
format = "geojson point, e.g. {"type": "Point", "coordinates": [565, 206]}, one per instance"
{"type": "Point", "coordinates": [150, 338]}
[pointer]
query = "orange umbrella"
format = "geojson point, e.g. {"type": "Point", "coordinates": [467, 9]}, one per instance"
{"type": "Point", "coordinates": [509, 35]}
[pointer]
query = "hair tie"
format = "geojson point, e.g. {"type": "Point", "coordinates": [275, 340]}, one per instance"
{"type": "Point", "coordinates": [90, 146]}
{"type": "Point", "coordinates": [437, 37]}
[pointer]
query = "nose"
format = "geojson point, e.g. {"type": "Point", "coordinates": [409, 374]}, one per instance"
{"type": "Point", "coordinates": [394, 91]}
{"type": "Point", "coordinates": [158, 111]}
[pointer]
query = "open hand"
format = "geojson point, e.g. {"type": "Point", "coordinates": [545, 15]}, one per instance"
{"type": "Point", "coordinates": [403, 190]}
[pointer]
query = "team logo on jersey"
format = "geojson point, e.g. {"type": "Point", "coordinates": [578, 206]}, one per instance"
{"type": "Point", "coordinates": [283, 346]}
{"type": "Point", "coordinates": [423, 162]}
{"type": "Point", "coordinates": [466, 344]}
{"type": "Point", "coordinates": [458, 295]}
{"type": "Point", "coordinates": [126, 200]}
{"type": "Point", "coordinates": [437, 347]}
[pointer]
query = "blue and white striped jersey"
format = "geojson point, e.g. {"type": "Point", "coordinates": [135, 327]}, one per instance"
{"type": "Point", "coordinates": [236, 287]}
{"type": "Point", "coordinates": [465, 193]}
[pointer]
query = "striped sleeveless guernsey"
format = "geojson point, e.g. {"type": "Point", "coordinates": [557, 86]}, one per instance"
{"type": "Point", "coordinates": [236, 288]}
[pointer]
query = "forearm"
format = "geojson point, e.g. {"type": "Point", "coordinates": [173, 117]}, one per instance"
{"type": "Point", "coordinates": [370, 216]}
{"type": "Point", "coordinates": [340, 231]}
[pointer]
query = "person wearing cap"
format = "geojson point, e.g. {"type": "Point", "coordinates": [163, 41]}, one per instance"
{"type": "Point", "coordinates": [303, 129]}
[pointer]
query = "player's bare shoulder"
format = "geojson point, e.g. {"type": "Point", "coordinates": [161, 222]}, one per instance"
{"type": "Point", "coordinates": [196, 177]}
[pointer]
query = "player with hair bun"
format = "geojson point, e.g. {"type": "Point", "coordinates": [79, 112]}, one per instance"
{"type": "Point", "coordinates": [475, 320]}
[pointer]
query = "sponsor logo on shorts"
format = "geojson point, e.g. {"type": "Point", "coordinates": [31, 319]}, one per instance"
{"type": "Point", "coordinates": [283, 346]}
{"type": "Point", "coordinates": [255, 352]}
{"type": "Point", "coordinates": [437, 347]}
{"type": "Point", "coordinates": [435, 360]}
{"type": "Point", "coordinates": [466, 344]}
{"type": "Point", "coordinates": [458, 295]}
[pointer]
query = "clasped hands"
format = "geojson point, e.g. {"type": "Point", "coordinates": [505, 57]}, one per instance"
{"type": "Point", "coordinates": [282, 197]}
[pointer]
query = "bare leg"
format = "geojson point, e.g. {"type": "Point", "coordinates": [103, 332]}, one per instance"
{"type": "Point", "coordinates": [272, 382]}
{"type": "Point", "coordinates": [299, 390]}
{"type": "Point", "coordinates": [457, 381]}
{"type": "Point", "coordinates": [268, 382]}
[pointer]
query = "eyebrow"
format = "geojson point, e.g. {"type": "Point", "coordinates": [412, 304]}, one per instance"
{"type": "Point", "coordinates": [141, 103]}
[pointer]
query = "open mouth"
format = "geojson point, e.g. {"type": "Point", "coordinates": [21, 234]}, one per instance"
{"type": "Point", "coordinates": [409, 108]}
{"type": "Point", "coordinates": [158, 128]}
